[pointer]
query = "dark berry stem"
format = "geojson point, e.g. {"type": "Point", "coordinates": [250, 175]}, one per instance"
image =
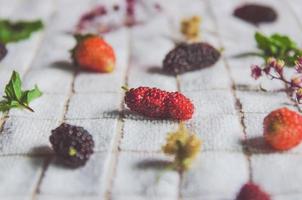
{"type": "Point", "coordinates": [27, 107]}
{"type": "Point", "coordinates": [125, 88]}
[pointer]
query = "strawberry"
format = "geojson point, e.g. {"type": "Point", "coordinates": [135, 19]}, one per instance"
{"type": "Point", "coordinates": [250, 191]}
{"type": "Point", "coordinates": [283, 129]}
{"type": "Point", "coordinates": [156, 103]}
{"type": "Point", "coordinates": [93, 53]}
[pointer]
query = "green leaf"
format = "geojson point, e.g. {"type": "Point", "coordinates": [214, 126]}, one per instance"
{"type": "Point", "coordinates": [6, 106]}
{"type": "Point", "coordinates": [15, 31]}
{"type": "Point", "coordinates": [283, 41]}
{"type": "Point", "coordinates": [278, 46]}
{"type": "Point", "coordinates": [13, 88]}
{"type": "Point", "coordinates": [16, 98]}
{"type": "Point", "coordinates": [262, 41]}
{"type": "Point", "coordinates": [31, 95]}
{"type": "Point", "coordinates": [245, 54]}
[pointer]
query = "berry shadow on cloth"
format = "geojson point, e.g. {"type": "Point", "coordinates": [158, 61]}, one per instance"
{"type": "Point", "coordinates": [257, 145]}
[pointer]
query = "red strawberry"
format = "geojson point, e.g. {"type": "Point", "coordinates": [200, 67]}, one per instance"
{"type": "Point", "coordinates": [156, 103]}
{"type": "Point", "coordinates": [251, 191]}
{"type": "Point", "coordinates": [93, 53]}
{"type": "Point", "coordinates": [283, 129]}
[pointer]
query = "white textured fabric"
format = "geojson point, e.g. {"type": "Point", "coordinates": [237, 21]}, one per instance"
{"type": "Point", "coordinates": [229, 108]}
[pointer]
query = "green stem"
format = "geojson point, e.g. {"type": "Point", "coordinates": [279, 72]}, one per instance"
{"type": "Point", "coordinates": [221, 50]}
{"type": "Point", "coordinates": [241, 55]}
{"type": "Point", "coordinates": [27, 107]}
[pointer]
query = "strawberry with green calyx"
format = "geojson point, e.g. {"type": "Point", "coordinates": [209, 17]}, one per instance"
{"type": "Point", "coordinates": [283, 129]}
{"type": "Point", "coordinates": [93, 53]}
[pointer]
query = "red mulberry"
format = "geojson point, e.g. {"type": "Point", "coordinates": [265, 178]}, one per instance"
{"type": "Point", "coordinates": [251, 191]}
{"type": "Point", "coordinates": [156, 103]}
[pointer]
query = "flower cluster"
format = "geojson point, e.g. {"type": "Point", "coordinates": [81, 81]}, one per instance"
{"type": "Point", "coordinates": [274, 69]}
{"type": "Point", "coordinates": [190, 28]}
{"type": "Point", "coordinates": [184, 146]}
{"type": "Point", "coordinates": [99, 18]}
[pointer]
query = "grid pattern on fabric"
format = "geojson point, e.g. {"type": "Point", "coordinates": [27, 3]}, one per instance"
{"type": "Point", "coordinates": [229, 109]}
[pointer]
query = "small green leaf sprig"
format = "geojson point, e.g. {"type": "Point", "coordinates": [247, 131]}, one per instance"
{"type": "Point", "coordinates": [280, 47]}
{"type": "Point", "coordinates": [15, 97]}
{"type": "Point", "coordinates": [15, 31]}
{"type": "Point", "coordinates": [279, 52]}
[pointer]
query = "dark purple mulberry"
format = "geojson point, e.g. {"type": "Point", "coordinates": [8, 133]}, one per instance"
{"type": "Point", "coordinates": [255, 14]}
{"type": "Point", "coordinates": [189, 57]}
{"type": "Point", "coordinates": [3, 51]}
{"type": "Point", "coordinates": [72, 144]}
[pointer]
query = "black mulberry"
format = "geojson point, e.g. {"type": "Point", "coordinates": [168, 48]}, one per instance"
{"type": "Point", "coordinates": [256, 14]}
{"type": "Point", "coordinates": [189, 57]}
{"type": "Point", "coordinates": [72, 144]}
{"type": "Point", "coordinates": [3, 51]}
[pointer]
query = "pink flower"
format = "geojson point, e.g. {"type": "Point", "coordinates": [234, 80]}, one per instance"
{"type": "Point", "coordinates": [270, 63]}
{"type": "Point", "coordinates": [298, 66]}
{"type": "Point", "coordinates": [278, 65]}
{"type": "Point", "coordinates": [296, 81]}
{"type": "Point", "coordinates": [256, 71]}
